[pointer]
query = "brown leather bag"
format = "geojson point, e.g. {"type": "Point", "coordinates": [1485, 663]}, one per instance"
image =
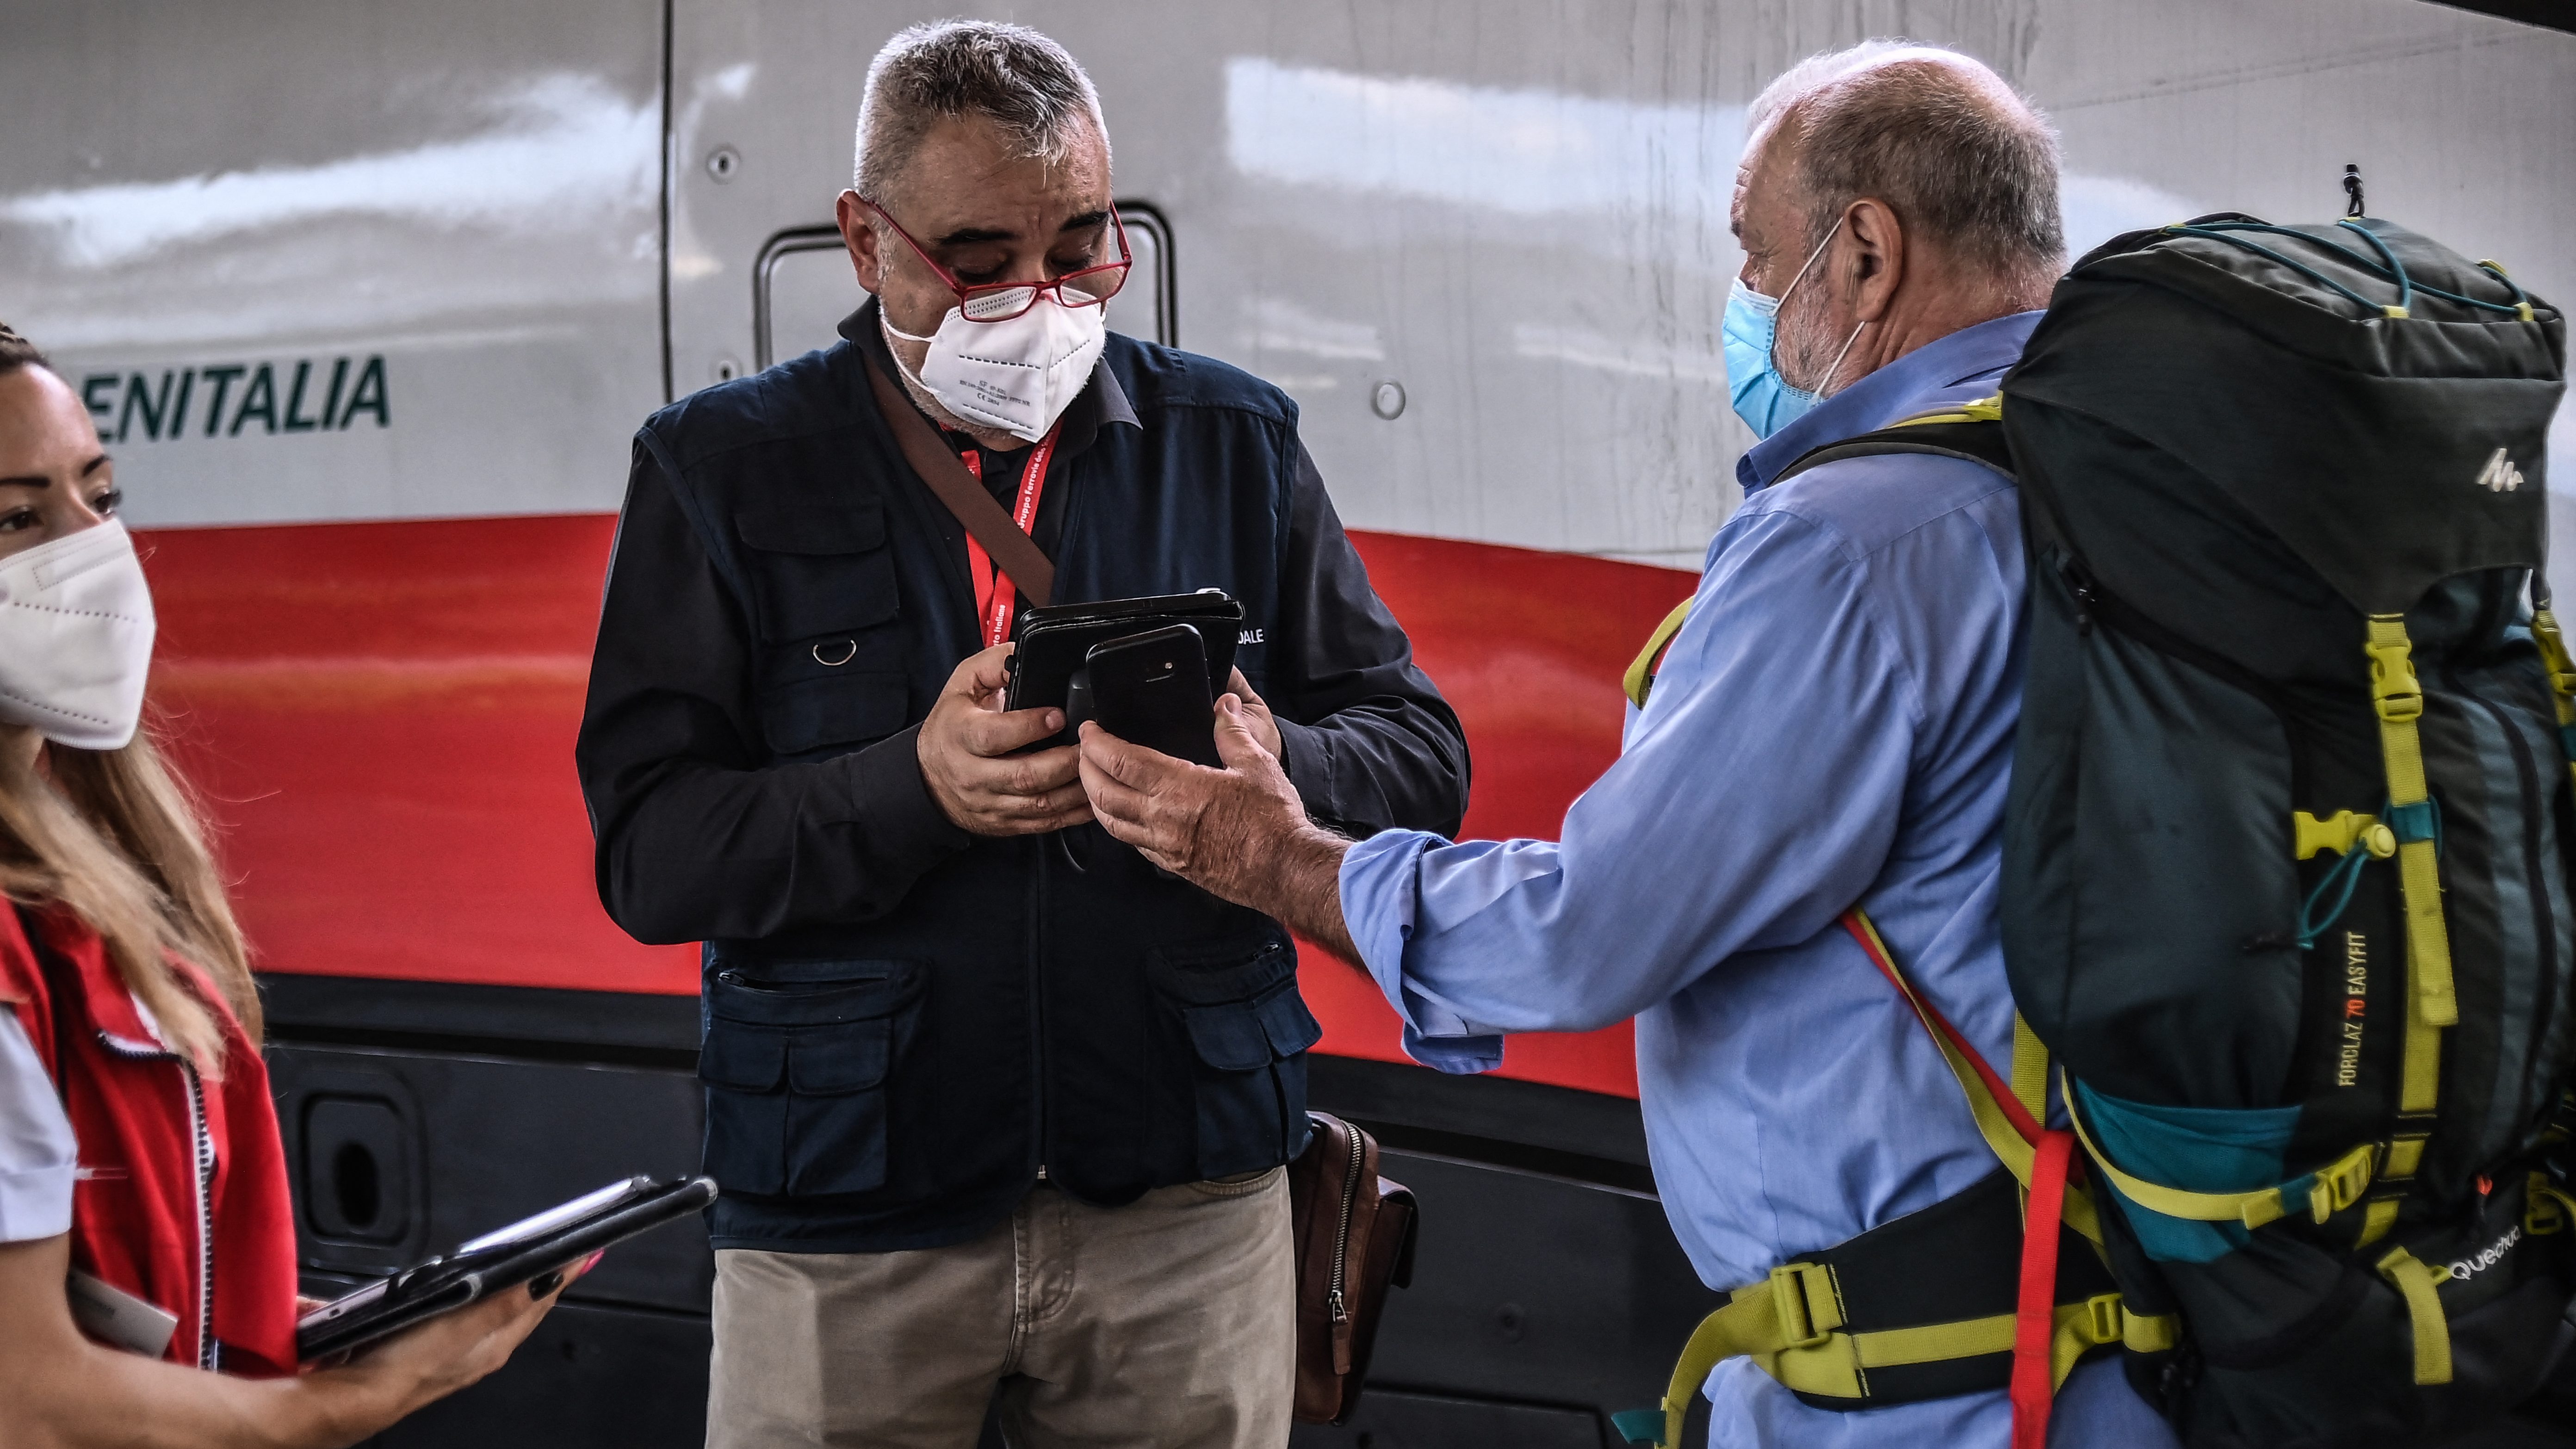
{"type": "Point", "coordinates": [1355, 1235]}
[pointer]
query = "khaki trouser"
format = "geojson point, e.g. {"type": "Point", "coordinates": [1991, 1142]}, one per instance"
{"type": "Point", "coordinates": [1170, 1321]}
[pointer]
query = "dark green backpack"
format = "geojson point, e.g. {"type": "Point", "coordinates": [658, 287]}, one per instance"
{"type": "Point", "coordinates": [2288, 887]}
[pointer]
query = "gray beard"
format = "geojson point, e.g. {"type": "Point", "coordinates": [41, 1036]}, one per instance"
{"type": "Point", "coordinates": [1803, 353]}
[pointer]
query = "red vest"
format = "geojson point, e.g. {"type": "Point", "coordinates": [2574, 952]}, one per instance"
{"type": "Point", "coordinates": [182, 1196]}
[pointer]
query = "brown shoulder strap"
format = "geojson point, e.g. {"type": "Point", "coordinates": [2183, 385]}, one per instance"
{"type": "Point", "coordinates": [1032, 573]}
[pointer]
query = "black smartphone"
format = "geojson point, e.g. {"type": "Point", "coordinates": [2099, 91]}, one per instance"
{"type": "Point", "coordinates": [1151, 689]}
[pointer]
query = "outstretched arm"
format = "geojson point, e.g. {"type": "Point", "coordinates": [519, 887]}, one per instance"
{"type": "Point", "coordinates": [1240, 833]}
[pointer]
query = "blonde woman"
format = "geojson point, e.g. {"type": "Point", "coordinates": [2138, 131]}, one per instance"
{"type": "Point", "coordinates": [143, 1197]}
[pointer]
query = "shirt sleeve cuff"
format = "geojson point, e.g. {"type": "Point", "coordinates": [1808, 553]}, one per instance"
{"type": "Point", "coordinates": [888, 793]}
{"type": "Point", "coordinates": [1304, 754]}
{"type": "Point", "coordinates": [36, 1203]}
{"type": "Point", "coordinates": [1378, 897]}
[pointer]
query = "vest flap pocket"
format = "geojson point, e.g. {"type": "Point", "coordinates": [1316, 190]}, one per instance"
{"type": "Point", "coordinates": [741, 1058]}
{"type": "Point", "coordinates": [848, 709]}
{"type": "Point", "coordinates": [776, 528]}
{"type": "Point", "coordinates": [828, 1061]}
{"type": "Point", "coordinates": [1229, 1037]}
{"type": "Point", "coordinates": [1239, 1036]}
{"type": "Point", "coordinates": [817, 575]}
{"type": "Point", "coordinates": [1286, 1021]}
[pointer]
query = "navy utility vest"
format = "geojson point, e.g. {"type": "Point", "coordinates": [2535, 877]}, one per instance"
{"type": "Point", "coordinates": [1034, 1005]}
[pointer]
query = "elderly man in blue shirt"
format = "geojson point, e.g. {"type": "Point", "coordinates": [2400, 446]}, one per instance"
{"type": "Point", "coordinates": [1832, 726]}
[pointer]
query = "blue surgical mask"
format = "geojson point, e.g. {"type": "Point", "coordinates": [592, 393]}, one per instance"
{"type": "Point", "coordinates": [1763, 398]}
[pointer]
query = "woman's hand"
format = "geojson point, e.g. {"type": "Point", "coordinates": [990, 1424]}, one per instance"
{"type": "Point", "coordinates": [57, 1388]}
{"type": "Point", "coordinates": [422, 1365]}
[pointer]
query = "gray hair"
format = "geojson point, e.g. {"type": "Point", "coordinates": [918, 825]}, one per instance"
{"type": "Point", "coordinates": [1010, 75]}
{"type": "Point", "coordinates": [1935, 134]}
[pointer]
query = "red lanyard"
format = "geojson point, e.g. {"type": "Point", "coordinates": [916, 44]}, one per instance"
{"type": "Point", "coordinates": [995, 596]}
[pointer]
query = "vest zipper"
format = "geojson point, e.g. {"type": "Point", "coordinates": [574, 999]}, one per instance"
{"type": "Point", "coordinates": [204, 1142]}
{"type": "Point", "coordinates": [201, 1142]}
{"type": "Point", "coordinates": [1038, 1066]}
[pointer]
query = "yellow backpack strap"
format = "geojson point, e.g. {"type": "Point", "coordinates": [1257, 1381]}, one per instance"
{"type": "Point", "coordinates": [2431, 1002]}
{"type": "Point", "coordinates": [1788, 1325]}
{"type": "Point", "coordinates": [1639, 681]}
{"type": "Point", "coordinates": [2416, 1280]}
{"type": "Point", "coordinates": [2004, 1136]}
{"type": "Point", "coordinates": [1640, 678]}
{"type": "Point", "coordinates": [2562, 679]}
{"type": "Point", "coordinates": [2030, 1070]}
{"type": "Point", "coordinates": [1984, 410]}
{"type": "Point", "coordinates": [2328, 1190]}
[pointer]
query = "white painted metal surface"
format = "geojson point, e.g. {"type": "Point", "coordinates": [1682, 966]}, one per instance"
{"type": "Point", "coordinates": [194, 198]}
{"type": "Point", "coordinates": [1514, 209]}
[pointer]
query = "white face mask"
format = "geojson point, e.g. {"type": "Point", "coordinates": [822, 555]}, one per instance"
{"type": "Point", "coordinates": [76, 638]}
{"type": "Point", "coordinates": [1016, 376]}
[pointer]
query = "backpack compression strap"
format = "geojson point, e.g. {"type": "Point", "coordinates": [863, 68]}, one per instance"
{"type": "Point", "coordinates": [2431, 1003]}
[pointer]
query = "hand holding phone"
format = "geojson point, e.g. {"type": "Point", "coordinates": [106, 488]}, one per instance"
{"type": "Point", "coordinates": [1151, 689]}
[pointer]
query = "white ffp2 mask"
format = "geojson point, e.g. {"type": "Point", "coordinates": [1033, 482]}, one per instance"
{"type": "Point", "coordinates": [76, 633]}
{"type": "Point", "coordinates": [1017, 376]}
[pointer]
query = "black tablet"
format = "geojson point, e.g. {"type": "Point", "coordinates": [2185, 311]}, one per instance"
{"type": "Point", "coordinates": [503, 1258]}
{"type": "Point", "coordinates": [1056, 640]}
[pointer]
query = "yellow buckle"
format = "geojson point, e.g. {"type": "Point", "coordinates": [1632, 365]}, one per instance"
{"type": "Point", "coordinates": [1789, 1295]}
{"type": "Point", "coordinates": [2109, 1315]}
{"type": "Point", "coordinates": [2543, 1211]}
{"type": "Point", "coordinates": [2392, 682]}
{"type": "Point", "coordinates": [2340, 832]}
{"type": "Point", "coordinates": [2341, 1184]}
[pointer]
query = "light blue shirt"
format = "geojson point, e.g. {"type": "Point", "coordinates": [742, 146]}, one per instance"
{"type": "Point", "coordinates": [1833, 725]}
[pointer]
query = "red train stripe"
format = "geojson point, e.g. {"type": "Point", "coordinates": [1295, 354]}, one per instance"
{"type": "Point", "coordinates": [382, 716]}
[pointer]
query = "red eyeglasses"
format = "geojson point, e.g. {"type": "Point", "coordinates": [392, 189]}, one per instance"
{"type": "Point", "coordinates": [1002, 301]}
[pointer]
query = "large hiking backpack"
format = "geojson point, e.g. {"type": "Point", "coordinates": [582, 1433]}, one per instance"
{"type": "Point", "coordinates": [2290, 866]}
{"type": "Point", "coordinates": [2287, 862]}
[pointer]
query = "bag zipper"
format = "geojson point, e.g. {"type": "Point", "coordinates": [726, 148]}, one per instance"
{"type": "Point", "coordinates": [2093, 603]}
{"type": "Point", "coordinates": [1335, 1300]}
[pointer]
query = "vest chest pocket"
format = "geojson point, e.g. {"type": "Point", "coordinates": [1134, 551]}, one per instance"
{"type": "Point", "coordinates": [817, 570]}
{"type": "Point", "coordinates": [1246, 1026]}
{"type": "Point", "coordinates": [796, 1062]}
{"type": "Point", "coordinates": [825, 595]}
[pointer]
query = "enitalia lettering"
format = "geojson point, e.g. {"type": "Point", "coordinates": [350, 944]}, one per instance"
{"type": "Point", "coordinates": [261, 398]}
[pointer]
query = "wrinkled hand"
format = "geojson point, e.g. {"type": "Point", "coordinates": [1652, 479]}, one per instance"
{"type": "Point", "coordinates": [1257, 716]}
{"type": "Point", "coordinates": [966, 757]}
{"type": "Point", "coordinates": [1217, 829]}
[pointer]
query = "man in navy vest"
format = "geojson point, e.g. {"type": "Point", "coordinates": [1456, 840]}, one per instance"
{"type": "Point", "coordinates": [996, 1106]}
